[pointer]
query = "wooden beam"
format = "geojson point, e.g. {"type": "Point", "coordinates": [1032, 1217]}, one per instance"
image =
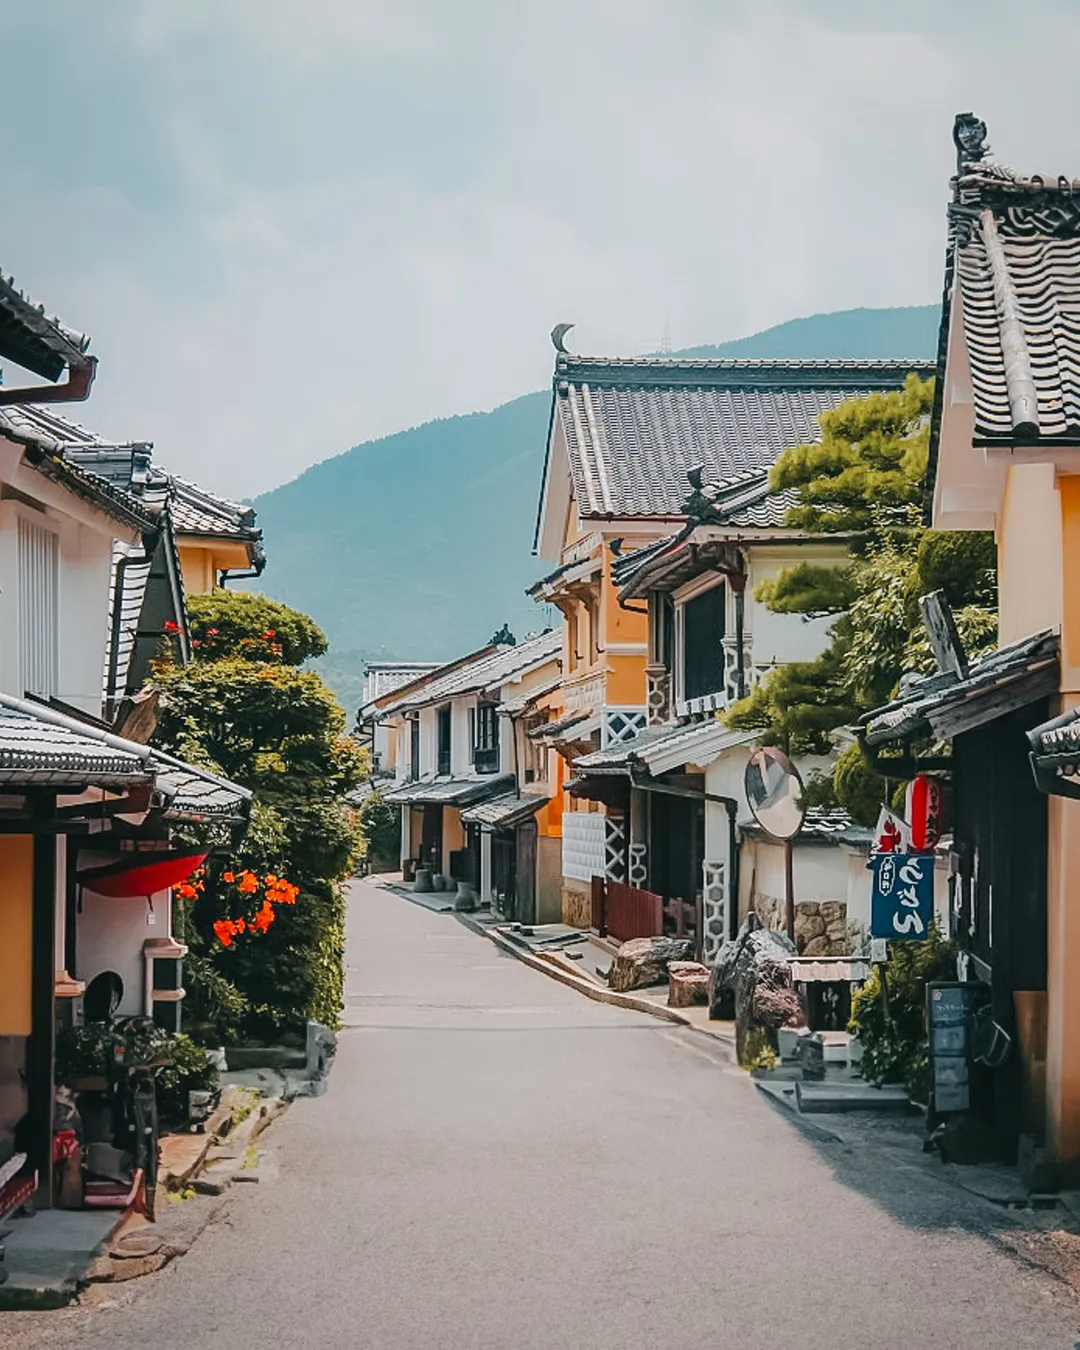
{"type": "Point", "coordinates": [42, 1047]}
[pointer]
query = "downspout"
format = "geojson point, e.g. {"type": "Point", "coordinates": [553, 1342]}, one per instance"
{"type": "Point", "coordinates": [236, 574]}
{"type": "Point", "coordinates": [740, 618]}
{"type": "Point", "coordinates": [77, 388]}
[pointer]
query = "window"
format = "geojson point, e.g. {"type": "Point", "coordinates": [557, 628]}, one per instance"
{"type": "Point", "coordinates": [703, 651]}
{"type": "Point", "coordinates": [487, 738]}
{"type": "Point", "coordinates": [661, 629]}
{"type": "Point", "coordinates": [444, 741]}
{"type": "Point", "coordinates": [414, 747]}
{"type": "Point", "coordinates": [39, 605]}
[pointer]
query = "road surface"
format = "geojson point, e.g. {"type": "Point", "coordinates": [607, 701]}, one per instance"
{"type": "Point", "coordinates": [500, 1163]}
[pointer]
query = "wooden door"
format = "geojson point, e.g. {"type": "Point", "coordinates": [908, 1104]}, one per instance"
{"type": "Point", "coordinates": [525, 871]}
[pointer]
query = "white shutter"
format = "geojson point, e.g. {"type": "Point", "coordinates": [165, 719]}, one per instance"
{"type": "Point", "coordinates": [39, 605]}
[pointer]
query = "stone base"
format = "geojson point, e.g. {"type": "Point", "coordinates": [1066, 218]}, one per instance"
{"type": "Point", "coordinates": [576, 904]}
{"type": "Point", "coordinates": [688, 984]}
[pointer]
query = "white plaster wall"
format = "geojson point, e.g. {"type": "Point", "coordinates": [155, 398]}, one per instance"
{"type": "Point", "coordinates": [779, 638]}
{"type": "Point", "coordinates": [428, 741]}
{"type": "Point", "coordinates": [109, 935]}
{"type": "Point", "coordinates": [85, 557]}
{"type": "Point", "coordinates": [460, 749]}
{"type": "Point", "coordinates": [821, 872]}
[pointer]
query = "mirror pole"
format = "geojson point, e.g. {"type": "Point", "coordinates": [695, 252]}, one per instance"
{"type": "Point", "coordinates": [789, 888]}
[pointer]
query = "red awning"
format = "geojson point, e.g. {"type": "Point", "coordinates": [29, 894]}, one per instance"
{"type": "Point", "coordinates": [141, 873]}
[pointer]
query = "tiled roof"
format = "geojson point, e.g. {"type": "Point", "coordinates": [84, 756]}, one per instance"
{"type": "Point", "coordinates": [490, 670]}
{"type": "Point", "coordinates": [450, 791]}
{"type": "Point", "coordinates": [33, 341]}
{"type": "Point", "coordinates": [48, 454]}
{"type": "Point", "coordinates": [196, 794]}
{"type": "Point", "coordinates": [946, 705]}
{"type": "Point", "coordinates": [500, 813]}
{"type": "Point", "coordinates": [633, 428]}
{"type": "Point", "coordinates": [659, 750]}
{"type": "Point", "coordinates": [514, 707]}
{"type": "Point", "coordinates": [1015, 261]}
{"type": "Point", "coordinates": [383, 677]}
{"type": "Point", "coordinates": [41, 747]}
{"type": "Point", "coordinates": [822, 824]}
{"type": "Point", "coordinates": [127, 468]}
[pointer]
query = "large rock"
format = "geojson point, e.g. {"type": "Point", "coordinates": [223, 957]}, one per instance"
{"type": "Point", "coordinates": [644, 961]}
{"type": "Point", "coordinates": [754, 974]}
{"type": "Point", "coordinates": [688, 983]}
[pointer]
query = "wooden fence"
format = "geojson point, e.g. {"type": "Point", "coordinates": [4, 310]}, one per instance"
{"type": "Point", "coordinates": [624, 912]}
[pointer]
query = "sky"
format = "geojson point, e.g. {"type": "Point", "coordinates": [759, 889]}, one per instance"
{"type": "Point", "coordinates": [293, 225]}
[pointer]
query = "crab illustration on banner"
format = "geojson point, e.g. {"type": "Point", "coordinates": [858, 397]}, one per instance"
{"type": "Point", "coordinates": [902, 899]}
{"type": "Point", "coordinates": [925, 811]}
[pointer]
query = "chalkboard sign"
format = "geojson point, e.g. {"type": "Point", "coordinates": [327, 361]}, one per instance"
{"type": "Point", "coordinates": [950, 1009]}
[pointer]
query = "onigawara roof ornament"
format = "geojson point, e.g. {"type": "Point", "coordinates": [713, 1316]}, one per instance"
{"type": "Point", "coordinates": [503, 638]}
{"type": "Point", "coordinates": [969, 137]}
{"type": "Point", "coordinates": [558, 335]}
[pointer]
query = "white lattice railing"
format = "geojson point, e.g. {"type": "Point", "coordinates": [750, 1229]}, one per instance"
{"type": "Point", "coordinates": [618, 725]}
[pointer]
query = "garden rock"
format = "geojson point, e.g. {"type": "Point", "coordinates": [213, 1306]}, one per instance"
{"type": "Point", "coordinates": [688, 984]}
{"type": "Point", "coordinates": [644, 961]}
{"type": "Point", "coordinates": [756, 969]}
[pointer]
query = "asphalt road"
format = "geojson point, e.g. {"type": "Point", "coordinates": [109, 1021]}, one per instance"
{"type": "Point", "coordinates": [502, 1163]}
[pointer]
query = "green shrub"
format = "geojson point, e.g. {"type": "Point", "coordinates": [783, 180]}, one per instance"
{"type": "Point", "coordinates": [859, 790]}
{"type": "Point", "coordinates": [896, 1051]}
{"type": "Point", "coordinates": [380, 825]}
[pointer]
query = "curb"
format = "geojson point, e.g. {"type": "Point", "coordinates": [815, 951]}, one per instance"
{"type": "Point", "coordinates": [594, 991]}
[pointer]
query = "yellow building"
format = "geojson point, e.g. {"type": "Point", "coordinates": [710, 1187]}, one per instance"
{"type": "Point", "coordinates": [631, 442]}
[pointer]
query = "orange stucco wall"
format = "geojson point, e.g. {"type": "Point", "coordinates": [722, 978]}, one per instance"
{"type": "Point", "coordinates": [1069, 489]}
{"type": "Point", "coordinates": [16, 926]}
{"type": "Point", "coordinates": [200, 562]}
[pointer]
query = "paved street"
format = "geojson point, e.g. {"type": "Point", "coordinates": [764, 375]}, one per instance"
{"type": "Point", "coordinates": [502, 1163]}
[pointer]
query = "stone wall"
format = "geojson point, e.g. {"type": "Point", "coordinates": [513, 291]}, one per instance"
{"type": "Point", "coordinates": [576, 903]}
{"type": "Point", "coordinates": [821, 926]}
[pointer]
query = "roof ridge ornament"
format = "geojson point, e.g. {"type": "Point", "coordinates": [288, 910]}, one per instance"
{"type": "Point", "coordinates": [558, 336]}
{"type": "Point", "coordinates": [969, 137]}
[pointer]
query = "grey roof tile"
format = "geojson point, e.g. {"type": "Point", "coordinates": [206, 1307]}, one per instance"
{"type": "Point", "coordinates": [450, 791]}
{"type": "Point", "coordinates": [634, 428]}
{"type": "Point", "coordinates": [946, 706]}
{"type": "Point", "coordinates": [500, 813]}
{"type": "Point", "coordinates": [34, 341]}
{"type": "Point", "coordinates": [490, 670]}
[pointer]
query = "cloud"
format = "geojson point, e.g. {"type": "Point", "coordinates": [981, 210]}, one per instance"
{"type": "Point", "coordinates": [291, 228]}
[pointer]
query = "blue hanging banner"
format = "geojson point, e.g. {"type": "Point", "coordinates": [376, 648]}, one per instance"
{"type": "Point", "coordinates": [902, 902]}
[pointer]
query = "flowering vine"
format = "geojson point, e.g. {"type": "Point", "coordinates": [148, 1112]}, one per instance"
{"type": "Point", "coordinates": [261, 908]}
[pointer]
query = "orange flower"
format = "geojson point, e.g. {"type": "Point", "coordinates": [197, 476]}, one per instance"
{"type": "Point", "coordinates": [249, 883]}
{"type": "Point", "coordinates": [186, 891]}
{"type": "Point", "coordinates": [224, 929]}
{"type": "Point", "coordinates": [230, 877]}
{"type": "Point", "coordinates": [240, 925]}
{"type": "Point", "coordinates": [265, 917]}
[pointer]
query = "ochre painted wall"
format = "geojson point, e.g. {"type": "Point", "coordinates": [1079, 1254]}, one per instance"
{"type": "Point", "coordinates": [16, 931]}
{"type": "Point", "coordinates": [201, 561]}
{"type": "Point", "coordinates": [1069, 490]}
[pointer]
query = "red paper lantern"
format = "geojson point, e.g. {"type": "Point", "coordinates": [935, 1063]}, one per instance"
{"type": "Point", "coordinates": [141, 874]}
{"type": "Point", "coordinates": [925, 812]}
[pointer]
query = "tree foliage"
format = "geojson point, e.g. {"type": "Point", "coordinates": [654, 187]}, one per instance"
{"type": "Point", "coordinates": [247, 711]}
{"type": "Point", "coordinates": [865, 479]}
{"type": "Point", "coordinates": [252, 627]}
{"type": "Point", "coordinates": [868, 465]}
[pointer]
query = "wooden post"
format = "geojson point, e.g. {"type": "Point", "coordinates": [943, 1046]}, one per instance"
{"type": "Point", "coordinates": [789, 889]}
{"type": "Point", "coordinates": [42, 1049]}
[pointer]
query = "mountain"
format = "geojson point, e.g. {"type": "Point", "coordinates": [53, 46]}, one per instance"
{"type": "Point", "coordinates": [417, 545]}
